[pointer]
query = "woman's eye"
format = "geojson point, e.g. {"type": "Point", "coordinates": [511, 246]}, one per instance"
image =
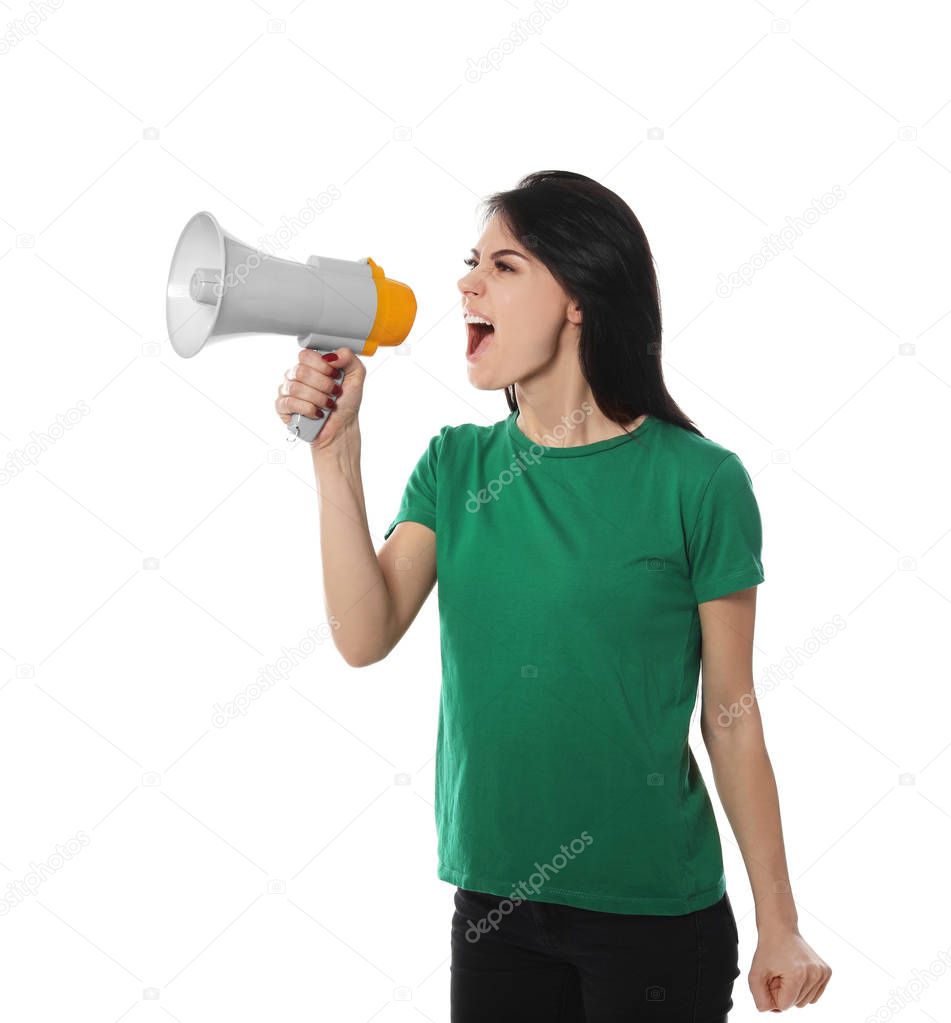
{"type": "Point", "coordinates": [503, 266]}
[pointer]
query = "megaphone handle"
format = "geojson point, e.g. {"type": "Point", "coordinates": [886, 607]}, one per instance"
{"type": "Point", "coordinates": [305, 428]}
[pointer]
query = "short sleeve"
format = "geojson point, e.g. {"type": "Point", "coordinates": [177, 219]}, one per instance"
{"type": "Point", "coordinates": [725, 547]}
{"type": "Point", "coordinates": [419, 496]}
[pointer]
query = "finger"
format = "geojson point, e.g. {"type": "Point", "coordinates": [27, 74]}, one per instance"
{"type": "Point", "coordinates": [308, 357]}
{"type": "Point", "coordinates": [822, 988]}
{"type": "Point", "coordinates": [343, 361]}
{"type": "Point", "coordinates": [772, 993]}
{"type": "Point", "coordinates": [790, 995]}
{"type": "Point", "coordinates": [759, 989]}
{"type": "Point", "coordinates": [280, 411]}
{"type": "Point", "coordinates": [337, 362]}
{"type": "Point", "coordinates": [313, 377]}
{"type": "Point", "coordinates": [290, 405]}
{"type": "Point", "coordinates": [297, 389]}
{"type": "Point", "coordinates": [808, 992]}
{"type": "Point", "coordinates": [784, 1000]}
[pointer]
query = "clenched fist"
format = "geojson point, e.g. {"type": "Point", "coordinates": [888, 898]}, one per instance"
{"type": "Point", "coordinates": [310, 388]}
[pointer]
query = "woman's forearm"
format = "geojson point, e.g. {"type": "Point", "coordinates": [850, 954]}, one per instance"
{"type": "Point", "coordinates": [355, 592]}
{"type": "Point", "coordinates": [747, 789]}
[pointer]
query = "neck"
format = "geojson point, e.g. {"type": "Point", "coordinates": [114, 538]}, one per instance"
{"type": "Point", "coordinates": [557, 408]}
{"type": "Point", "coordinates": [556, 424]}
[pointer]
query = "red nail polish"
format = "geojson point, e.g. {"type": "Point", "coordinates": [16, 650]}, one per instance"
{"type": "Point", "coordinates": [330, 356]}
{"type": "Point", "coordinates": [337, 389]}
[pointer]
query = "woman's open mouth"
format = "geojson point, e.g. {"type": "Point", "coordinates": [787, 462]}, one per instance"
{"type": "Point", "coordinates": [480, 337]}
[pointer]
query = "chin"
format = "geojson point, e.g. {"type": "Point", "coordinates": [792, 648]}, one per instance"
{"type": "Point", "coordinates": [485, 382]}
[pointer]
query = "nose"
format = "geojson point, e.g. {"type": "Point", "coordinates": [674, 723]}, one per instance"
{"type": "Point", "coordinates": [467, 283]}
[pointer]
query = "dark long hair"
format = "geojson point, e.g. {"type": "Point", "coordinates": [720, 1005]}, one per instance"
{"type": "Point", "coordinates": [594, 246]}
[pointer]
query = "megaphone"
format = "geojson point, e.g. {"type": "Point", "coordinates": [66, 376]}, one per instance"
{"type": "Point", "coordinates": [218, 287]}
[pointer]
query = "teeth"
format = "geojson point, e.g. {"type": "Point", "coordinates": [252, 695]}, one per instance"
{"type": "Point", "coordinates": [476, 319]}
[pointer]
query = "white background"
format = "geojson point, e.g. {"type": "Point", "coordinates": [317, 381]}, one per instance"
{"type": "Point", "coordinates": [828, 373]}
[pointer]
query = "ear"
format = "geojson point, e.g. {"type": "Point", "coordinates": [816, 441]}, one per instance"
{"type": "Point", "coordinates": [574, 314]}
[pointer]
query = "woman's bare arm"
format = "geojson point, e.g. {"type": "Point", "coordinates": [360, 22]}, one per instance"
{"type": "Point", "coordinates": [371, 598]}
{"type": "Point", "coordinates": [733, 735]}
{"type": "Point", "coordinates": [785, 970]}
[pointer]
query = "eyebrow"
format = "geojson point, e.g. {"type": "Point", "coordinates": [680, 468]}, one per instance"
{"type": "Point", "coordinates": [501, 252]}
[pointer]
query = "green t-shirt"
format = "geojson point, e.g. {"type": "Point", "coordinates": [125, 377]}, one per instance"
{"type": "Point", "coordinates": [568, 584]}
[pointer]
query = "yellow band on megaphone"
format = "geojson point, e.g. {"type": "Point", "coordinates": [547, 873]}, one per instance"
{"type": "Point", "coordinates": [395, 312]}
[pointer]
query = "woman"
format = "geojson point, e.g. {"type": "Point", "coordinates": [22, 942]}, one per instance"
{"type": "Point", "coordinates": [585, 545]}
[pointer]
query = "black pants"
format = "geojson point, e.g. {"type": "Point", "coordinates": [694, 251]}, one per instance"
{"type": "Point", "coordinates": [542, 962]}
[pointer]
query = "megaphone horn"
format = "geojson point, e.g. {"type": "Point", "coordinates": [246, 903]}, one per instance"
{"type": "Point", "coordinates": [218, 287]}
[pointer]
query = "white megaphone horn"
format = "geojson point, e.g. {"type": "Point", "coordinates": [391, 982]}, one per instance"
{"type": "Point", "coordinates": [218, 287]}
